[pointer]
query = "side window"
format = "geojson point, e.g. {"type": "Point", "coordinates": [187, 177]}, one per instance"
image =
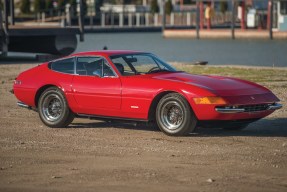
{"type": "Point", "coordinates": [93, 66]}
{"type": "Point", "coordinates": [63, 66]}
{"type": "Point", "coordinates": [120, 61]}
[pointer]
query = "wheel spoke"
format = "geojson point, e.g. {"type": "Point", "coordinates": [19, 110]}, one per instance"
{"type": "Point", "coordinates": [52, 107]}
{"type": "Point", "coordinates": [172, 115]}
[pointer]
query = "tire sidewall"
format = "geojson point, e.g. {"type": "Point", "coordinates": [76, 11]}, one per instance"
{"type": "Point", "coordinates": [187, 124]}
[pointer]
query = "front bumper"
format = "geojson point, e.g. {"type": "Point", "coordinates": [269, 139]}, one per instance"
{"type": "Point", "coordinates": [242, 109]}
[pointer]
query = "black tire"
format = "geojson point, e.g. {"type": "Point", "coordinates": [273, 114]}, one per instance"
{"type": "Point", "coordinates": [174, 115]}
{"type": "Point", "coordinates": [236, 127]}
{"type": "Point", "coordinates": [53, 108]}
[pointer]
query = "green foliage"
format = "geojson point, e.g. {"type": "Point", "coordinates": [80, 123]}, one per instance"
{"type": "Point", "coordinates": [39, 5]}
{"type": "Point", "coordinates": [189, 2]}
{"type": "Point", "coordinates": [25, 6]}
{"type": "Point", "coordinates": [249, 73]}
{"type": "Point", "coordinates": [154, 8]}
{"type": "Point", "coordinates": [72, 2]}
{"type": "Point", "coordinates": [98, 4]}
{"type": "Point", "coordinates": [49, 4]}
{"type": "Point", "coordinates": [168, 7]}
{"type": "Point", "coordinates": [61, 3]}
{"type": "Point", "coordinates": [223, 6]}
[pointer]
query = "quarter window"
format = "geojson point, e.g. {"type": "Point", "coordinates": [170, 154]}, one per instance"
{"type": "Point", "coordinates": [93, 66]}
{"type": "Point", "coordinates": [63, 66]}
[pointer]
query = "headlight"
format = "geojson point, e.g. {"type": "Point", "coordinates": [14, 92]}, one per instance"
{"type": "Point", "coordinates": [209, 100]}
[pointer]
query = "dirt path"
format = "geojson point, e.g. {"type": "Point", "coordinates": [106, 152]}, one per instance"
{"type": "Point", "coordinates": [98, 156]}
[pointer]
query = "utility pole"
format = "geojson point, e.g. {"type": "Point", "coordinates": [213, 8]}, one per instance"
{"type": "Point", "coordinates": [197, 19]}
{"type": "Point", "coordinates": [163, 16]}
{"type": "Point", "coordinates": [12, 15]}
{"type": "Point", "coordinates": [81, 20]}
{"type": "Point", "coordinates": [233, 20]}
{"type": "Point", "coordinates": [271, 19]}
{"type": "Point", "coordinates": [4, 29]}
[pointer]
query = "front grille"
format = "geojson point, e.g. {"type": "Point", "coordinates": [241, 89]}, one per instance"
{"type": "Point", "coordinates": [254, 108]}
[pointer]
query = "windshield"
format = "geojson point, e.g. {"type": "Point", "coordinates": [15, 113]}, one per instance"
{"type": "Point", "coordinates": [136, 64]}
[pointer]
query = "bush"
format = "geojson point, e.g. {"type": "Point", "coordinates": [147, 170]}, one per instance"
{"type": "Point", "coordinates": [39, 5]}
{"type": "Point", "coordinates": [98, 5]}
{"type": "Point", "coordinates": [49, 4]}
{"type": "Point", "coordinates": [154, 8]}
{"type": "Point", "coordinates": [25, 6]}
{"type": "Point", "coordinates": [168, 7]}
{"type": "Point", "coordinates": [223, 6]}
{"type": "Point", "coordinates": [61, 3]}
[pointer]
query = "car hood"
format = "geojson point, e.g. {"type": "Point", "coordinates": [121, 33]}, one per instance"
{"type": "Point", "coordinates": [223, 86]}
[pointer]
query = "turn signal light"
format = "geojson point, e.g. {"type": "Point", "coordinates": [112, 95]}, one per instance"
{"type": "Point", "coordinates": [209, 100]}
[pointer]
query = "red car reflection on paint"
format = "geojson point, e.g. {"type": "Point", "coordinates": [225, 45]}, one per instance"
{"type": "Point", "coordinates": [139, 86]}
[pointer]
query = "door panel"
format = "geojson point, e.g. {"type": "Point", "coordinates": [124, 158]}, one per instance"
{"type": "Point", "coordinates": [92, 92]}
{"type": "Point", "coordinates": [96, 88]}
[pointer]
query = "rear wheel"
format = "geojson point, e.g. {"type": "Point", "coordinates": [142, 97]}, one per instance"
{"type": "Point", "coordinates": [174, 116]}
{"type": "Point", "coordinates": [53, 108]}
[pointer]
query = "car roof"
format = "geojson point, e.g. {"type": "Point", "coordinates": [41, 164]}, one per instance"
{"type": "Point", "coordinates": [106, 52]}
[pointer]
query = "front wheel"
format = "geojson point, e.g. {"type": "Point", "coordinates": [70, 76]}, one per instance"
{"type": "Point", "coordinates": [53, 108]}
{"type": "Point", "coordinates": [174, 115]}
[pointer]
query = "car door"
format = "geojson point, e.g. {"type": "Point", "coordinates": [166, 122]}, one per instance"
{"type": "Point", "coordinates": [96, 87]}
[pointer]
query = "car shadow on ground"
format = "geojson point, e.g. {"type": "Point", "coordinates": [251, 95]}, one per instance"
{"type": "Point", "coordinates": [263, 128]}
{"type": "Point", "coordinates": [116, 124]}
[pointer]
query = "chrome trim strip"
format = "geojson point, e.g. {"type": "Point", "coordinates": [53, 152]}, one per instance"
{"type": "Point", "coordinates": [21, 104]}
{"type": "Point", "coordinates": [223, 110]}
{"type": "Point", "coordinates": [80, 115]}
{"type": "Point", "coordinates": [275, 106]}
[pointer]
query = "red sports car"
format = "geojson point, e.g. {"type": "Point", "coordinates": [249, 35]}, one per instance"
{"type": "Point", "coordinates": [139, 86]}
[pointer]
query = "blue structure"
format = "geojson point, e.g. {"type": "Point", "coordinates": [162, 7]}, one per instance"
{"type": "Point", "coordinates": [280, 15]}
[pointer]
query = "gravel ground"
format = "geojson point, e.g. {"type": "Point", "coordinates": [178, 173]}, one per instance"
{"type": "Point", "coordinates": [97, 156]}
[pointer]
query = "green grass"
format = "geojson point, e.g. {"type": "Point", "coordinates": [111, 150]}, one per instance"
{"type": "Point", "coordinates": [251, 74]}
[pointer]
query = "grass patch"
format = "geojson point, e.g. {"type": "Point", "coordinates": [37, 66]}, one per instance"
{"type": "Point", "coordinates": [251, 74]}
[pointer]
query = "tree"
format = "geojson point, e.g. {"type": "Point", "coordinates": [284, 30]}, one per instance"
{"type": "Point", "coordinates": [168, 7]}
{"type": "Point", "coordinates": [154, 8]}
{"type": "Point", "coordinates": [49, 4]}
{"type": "Point", "coordinates": [25, 6]}
{"type": "Point", "coordinates": [39, 5]}
{"type": "Point", "coordinates": [223, 6]}
{"type": "Point", "coordinates": [98, 5]}
{"type": "Point", "coordinates": [61, 3]}
{"type": "Point", "coordinates": [1, 5]}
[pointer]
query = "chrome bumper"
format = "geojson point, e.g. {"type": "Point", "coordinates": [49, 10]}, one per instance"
{"type": "Point", "coordinates": [226, 110]}
{"type": "Point", "coordinates": [273, 106]}
{"type": "Point", "coordinates": [21, 104]}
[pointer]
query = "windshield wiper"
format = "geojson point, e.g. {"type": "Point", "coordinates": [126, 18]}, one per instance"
{"type": "Point", "coordinates": [159, 70]}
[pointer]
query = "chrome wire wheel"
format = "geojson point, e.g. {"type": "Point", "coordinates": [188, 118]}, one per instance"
{"type": "Point", "coordinates": [52, 107]}
{"type": "Point", "coordinates": [172, 115]}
